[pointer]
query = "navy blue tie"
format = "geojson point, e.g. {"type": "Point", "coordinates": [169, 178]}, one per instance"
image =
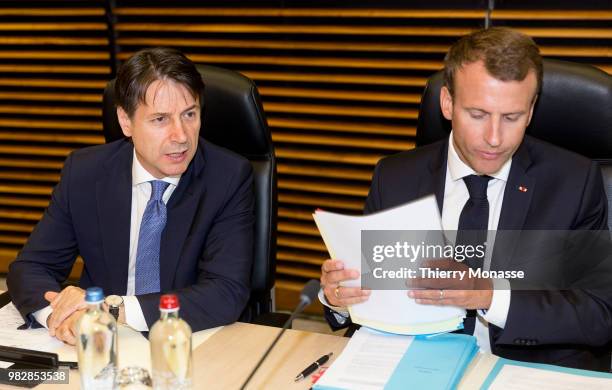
{"type": "Point", "coordinates": [474, 219]}
{"type": "Point", "coordinates": [149, 239]}
{"type": "Point", "coordinates": [472, 229]}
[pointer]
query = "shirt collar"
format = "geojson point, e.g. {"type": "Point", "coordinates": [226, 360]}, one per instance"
{"type": "Point", "coordinates": [458, 169]}
{"type": "Point", "coordinates": [141, 175]}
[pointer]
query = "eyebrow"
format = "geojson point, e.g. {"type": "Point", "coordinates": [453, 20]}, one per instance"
{"type": "Point", "coordinates": [167, 113]}
{"type": "Point", "coordinates": [194, 106]}
{"type": "Point", "coordinates": [486, 112]}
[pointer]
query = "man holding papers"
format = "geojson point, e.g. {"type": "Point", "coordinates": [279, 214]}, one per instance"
{"type": "Point", "coordinates": [489, 175]}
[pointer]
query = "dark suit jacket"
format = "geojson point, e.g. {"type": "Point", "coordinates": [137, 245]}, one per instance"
{"type": "Point", "coordinates": [565, 192]}
{"type": "Point", "coordinates": [206, 247]}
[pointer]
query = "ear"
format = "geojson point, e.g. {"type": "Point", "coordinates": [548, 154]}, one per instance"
{"type": "Point", "coordinates": [124, 121]}
{"type": "Point", "coordinates": [446, 103]}
{"type": "Point", "coordinates": [535, 99]}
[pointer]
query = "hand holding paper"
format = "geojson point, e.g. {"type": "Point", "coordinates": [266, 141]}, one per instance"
{"type": "Point", "coordinates": [459, 288]}
{"type": "Point", "coordinates": [333, 274]}
{"type": "Point", "coordinates": [387, 309]}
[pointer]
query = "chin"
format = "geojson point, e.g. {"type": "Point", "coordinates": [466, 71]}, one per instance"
{"type": "Point", "coordinates": [487, 169]}
{"type": "Point", "coordinates": [485, 166]}
{"type": "Point", "coordinates": [175, 171]}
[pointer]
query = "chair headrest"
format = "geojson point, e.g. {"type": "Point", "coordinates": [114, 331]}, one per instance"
{"type": "Point", "coordinates": [232, 114]}
{"type": "Point", "coordinates": [572, 111]}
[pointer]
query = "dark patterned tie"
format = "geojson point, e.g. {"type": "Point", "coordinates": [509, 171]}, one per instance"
{"type": "Point", "coordinates": [473, 227]}
{"type": "Point", "coordinates": [149, 239]}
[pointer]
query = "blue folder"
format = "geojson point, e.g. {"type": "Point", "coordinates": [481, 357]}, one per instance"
{"type": "Point", "coordinates": [434, 362]}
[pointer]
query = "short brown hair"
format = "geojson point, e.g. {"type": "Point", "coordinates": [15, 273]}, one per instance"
{"type": "Point", "coordinates": [508, 55]}
{"type": "Point", "coordinates": [148, 65]}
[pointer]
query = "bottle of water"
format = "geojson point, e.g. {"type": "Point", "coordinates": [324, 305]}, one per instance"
{"type": "Point", "coordinates": [170, 340]}
{"type": "Point", "coordinates": [97, 344]}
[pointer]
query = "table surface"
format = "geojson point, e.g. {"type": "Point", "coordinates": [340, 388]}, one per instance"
{"type": "Point", "coordinates": [227, 356]}
{"type": "Point", "coordinates": [226, 359]}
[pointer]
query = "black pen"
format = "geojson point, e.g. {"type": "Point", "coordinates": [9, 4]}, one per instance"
{"type": "Point", "coordinates": [313, 367]}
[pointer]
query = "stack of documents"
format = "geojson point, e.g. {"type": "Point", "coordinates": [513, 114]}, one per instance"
{"type": "Point", "coordinates": [374, 360]}
{"type": "Point", "coordinates": [388, 310]}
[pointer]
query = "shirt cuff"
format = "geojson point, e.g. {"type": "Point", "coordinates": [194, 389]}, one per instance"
{"type": "Point", "coordinates": [500, 304]}
{"type": "Point", "coordinates": [42, 315]}
{"type": "Point", "coordinates": [133, 314]}
{"type": "Point", "coordinates": [341, 314]}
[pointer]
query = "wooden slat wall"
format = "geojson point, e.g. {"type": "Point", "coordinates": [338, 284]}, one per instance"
{"type": "Point", "coordinates": [54, 63]}
{"type": "Point", "coordinates": [340, 86]}
{"type": "Point", "coordinates": [576, 35]}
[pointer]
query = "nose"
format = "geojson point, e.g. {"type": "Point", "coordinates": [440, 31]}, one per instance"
{"type": "Point", "coordinates": [178, 132]}
{"type": "Point", "coordinates": [492, 135]}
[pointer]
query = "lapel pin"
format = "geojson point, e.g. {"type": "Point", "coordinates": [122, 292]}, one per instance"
{"type": "Point", "coordinates": [522, 189]}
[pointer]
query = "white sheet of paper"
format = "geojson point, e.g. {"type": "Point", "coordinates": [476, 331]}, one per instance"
{"type": "Point", "coordinates": [36, 339]}
{"type": "Point", "coordinates": [513, 377]}
{"type": "Point", "coordinates": [367, 361]}
{"type": "Point", "coordinates": [342, 237]}
{"type": "Point", "coordinates": [381, 302]}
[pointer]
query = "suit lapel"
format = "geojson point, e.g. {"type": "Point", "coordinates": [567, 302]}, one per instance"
{"type": "Point", "coordinates": [434, 182]}
{"type": "Point", "coordinates": [114, 200]}
{"type": "Point", "coordinates": [182, 208]}
{"type": "Point", "coordinates": [516, 202]}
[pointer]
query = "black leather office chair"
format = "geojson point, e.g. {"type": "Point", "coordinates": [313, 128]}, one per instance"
{"type": "Point", "coordinates": [574, 111]}
{"type": "Point", "coordinates": [233, 117]}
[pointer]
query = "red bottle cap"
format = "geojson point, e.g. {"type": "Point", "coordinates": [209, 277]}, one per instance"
{"type": "Point", "coordinates": [168, 302]}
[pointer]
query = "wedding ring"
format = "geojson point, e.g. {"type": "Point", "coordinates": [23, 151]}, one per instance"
{"type": "Point", "coordinates": [441, 294]}
{"type": "Point", "coordinates": [337, 292]}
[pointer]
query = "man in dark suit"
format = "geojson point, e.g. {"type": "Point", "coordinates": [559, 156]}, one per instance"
{"type": "Point", "coordinates": [492, 79]}
{"type": "Point", "coordinates": [162, 211]}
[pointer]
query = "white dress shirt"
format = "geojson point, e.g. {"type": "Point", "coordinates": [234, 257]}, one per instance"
{"type": "Point", "coordinates": [455, 197]}
{"type": "Point", "coordinates": [141, 193]}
